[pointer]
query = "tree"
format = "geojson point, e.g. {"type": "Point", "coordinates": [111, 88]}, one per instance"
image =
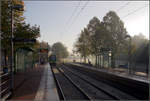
{"type": "Point", "coordinates": [82, 45]}
{"type": "Point", "coordinates": [44, 45]}
{"type": "Point", "coordinates": [93, 24]}
{"type": "Point", "coordinates": [60, 51]}
{"type": "Point", "coordinates": [99, 36]}
{"type": "Point", "coordinates": [115, 26]}
{"type": "Point", "coordinates": [25, 31]}
{"type": "Point", "coordinates": [92, 27]}
{"type": "Point", "coordinates": [21, 29]}
{"type": "Point", "coordinates": [6, 23]}
{"type": "Point", "coordinates": [6, 19]}
{"type": "Point", "coordinates": [140, 50]}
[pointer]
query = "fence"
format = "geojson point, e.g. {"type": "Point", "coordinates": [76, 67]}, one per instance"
{"type": "Point", "coordinates": [23, 60]}
{"type": "Point", "coordinates": [5, 82]}
{"type": "Point", "coordinates": [104, 61]}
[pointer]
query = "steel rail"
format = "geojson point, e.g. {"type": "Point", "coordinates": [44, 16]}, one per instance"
{"type": "Point", "coordinates": [59, 86]}
{"type": "Point", "coordinates": [94, 86]}
{"type": "Point", "coordinates": [116, 97]}
{"type": "Point", "coordinates": [79, 88]}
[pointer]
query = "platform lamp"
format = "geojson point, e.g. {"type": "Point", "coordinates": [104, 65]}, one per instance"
{"type": "Point", "coordinates": [109, 58]}
{"type": "Point", "coordinates": [17, 7]}
{"type": "Point", "coordinates": [129, 53]}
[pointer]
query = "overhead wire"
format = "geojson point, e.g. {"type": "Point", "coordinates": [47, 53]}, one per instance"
{"type": "Point", "coordinates": [70, 18]}
{"type": "Point", "coordinates": [82, 8]}
{"type": "Point", "coordinates": [122, 6]}
{"type": "Point", "coordinates": [78, 14]}
{"type": "Point", "coordinates": [130, 12]}
{"type": "Point", "coordinates": [74, 12]}
{"type": "Point", "coordinates": [134, 11]}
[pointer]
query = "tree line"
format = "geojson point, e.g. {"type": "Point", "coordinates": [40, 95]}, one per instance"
{"type": "Point", "coordinates": [109, 34]}
{"type": "Point", "coordinates": [60, 50]}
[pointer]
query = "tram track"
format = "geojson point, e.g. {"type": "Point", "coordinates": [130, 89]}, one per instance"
{"type": "Point", "coordinates": [91, 91]}
{"type": "Point", "coordinates": [74, 85]}
{"type": "Point", "coordinates": [136, 90]}
{"type": "Point", "coordinates": [67, 88]}
{"type": "Point", "coordinates": [108, 90]}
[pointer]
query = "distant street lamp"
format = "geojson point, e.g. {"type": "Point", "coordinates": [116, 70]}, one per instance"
{"type": "Point", "coordinates": [129, 53]}
{"type": "Point", "coordinates": [109, 58]}
{"type": "Point", "coordinates": [19, 8]}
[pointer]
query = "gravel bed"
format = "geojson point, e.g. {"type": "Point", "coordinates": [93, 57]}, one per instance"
{"type": "Point", "coordinates": [123, 85]}
{"type": "Point", "coordinates": [117, 94]}
{"type": "Point", "coordinates": [93, 92]}
{"type": "Point", "coordinates": [69, 90]}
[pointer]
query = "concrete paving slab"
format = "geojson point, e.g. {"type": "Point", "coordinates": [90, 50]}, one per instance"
{"type": "Point", "coordinates": [47, 90]}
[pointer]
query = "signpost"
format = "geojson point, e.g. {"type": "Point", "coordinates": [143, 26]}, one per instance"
{"type": "Point", "coordinates": [19, 8]}
{"type": "Point", "coordinates": [24, 40]}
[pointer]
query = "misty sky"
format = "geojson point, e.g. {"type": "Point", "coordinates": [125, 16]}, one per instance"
{"type": "Point", "coordinates": [56, 23]}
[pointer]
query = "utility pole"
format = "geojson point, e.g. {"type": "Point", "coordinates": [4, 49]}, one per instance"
{"type": "Point", "coordinates": [130, 66]}
{"type": "Point", "coordinates": [129, 54]}
{"type": "Point", "coordinates": [19, 8]}
{"type": "Point", "coordinates": [149, 65]}
{"type": "Point", "coordinates": [39, 53]}
{"type": "Point", "coordinates": [12, 51]}
{"type": "Point", "coordinates": [47, 51]}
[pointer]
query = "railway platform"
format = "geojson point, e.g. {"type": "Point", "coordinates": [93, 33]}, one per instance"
{"type": "Point", "coordinates": [116, 73]}
{"type": "Point", "coordinates": [78, 82]}
{"type": "Point", "coordinates": [130, 84]}
{"type": "Point", "coordinates": [47, 90]}
{"type": "Point", "coordinates": [26, 84]}
{"type": "Point", "coordinates": [36, 84]}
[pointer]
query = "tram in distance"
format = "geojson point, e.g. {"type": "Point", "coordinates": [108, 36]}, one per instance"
{"type": "Point", "coordinates": [52, 60]}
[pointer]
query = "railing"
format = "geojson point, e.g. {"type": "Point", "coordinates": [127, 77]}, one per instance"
{"type": "Point", "coordinates": [5, 81]}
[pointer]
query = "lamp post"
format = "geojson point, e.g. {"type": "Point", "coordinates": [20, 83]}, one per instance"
{"type": "Point", "coordinates": [129, 53]}
{"type": "Point", "coordinates": [19, 8]}
{"type": "Point", "coordinates": [47, 51]}
{"type": "Point", "coordinates": [109, 59]}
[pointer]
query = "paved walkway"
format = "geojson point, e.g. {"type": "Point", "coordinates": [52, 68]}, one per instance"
{"type": "Point", "coordinates": [26, 84]}
{"type": "Point", "coordinates": [36, 84]}
{"type": "Point", "coordinates": [118, 73]}
{"type": "Point", "coordinates": [47, 90]}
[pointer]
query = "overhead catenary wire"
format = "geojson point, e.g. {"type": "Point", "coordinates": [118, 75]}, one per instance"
{"type": "Point", "coordinates": [134, 11]}
{"type": "Point", "coordinates": [122, 6]}
{"type": "Point", "coordinates": [74, 11]}
{"type": "Point", "coordinates": [82, 8]}
{"type": "Point", "coordinates": [78, 14]}
{"type": "Point", "coordinates": [70, 18]}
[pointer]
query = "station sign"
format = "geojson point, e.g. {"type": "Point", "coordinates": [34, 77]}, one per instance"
{"type": "Point", "coordinates": [44, 50]}
{"type": "Point", "coordinates": [24, 40]}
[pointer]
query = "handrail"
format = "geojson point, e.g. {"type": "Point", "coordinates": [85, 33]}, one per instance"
{"type": "Point", "coordinates": [4, 75]}
{"type": "Point", "coordinates": [4, 84]}
{"type": "Point", "coordinates": [4, 90]}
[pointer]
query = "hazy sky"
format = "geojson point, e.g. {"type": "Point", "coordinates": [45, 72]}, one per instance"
{"type": "Point", "coordinates": [56, 25]}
